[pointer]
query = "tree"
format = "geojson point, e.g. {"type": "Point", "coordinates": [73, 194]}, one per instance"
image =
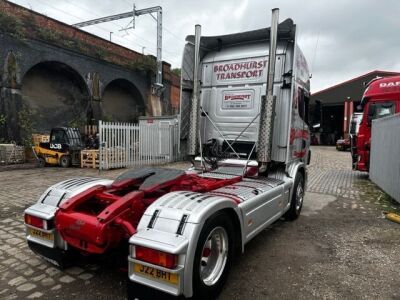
{"type": "Point", "coordinates": [176, 71]}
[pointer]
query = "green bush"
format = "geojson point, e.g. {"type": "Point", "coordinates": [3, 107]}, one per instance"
{"type": "Point", "coordinates": [2, 120]}
{"type": "Point", "coordinates": [11, 25]}
{"type": "Point", "coordinates": [146, 64]}
{"type": "Point", "coordinates": [176, 71]}
{"type": "Point", "coordinates": [25, 116]}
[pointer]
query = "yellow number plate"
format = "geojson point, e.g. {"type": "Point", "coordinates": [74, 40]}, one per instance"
{"type": "Point", "coordinates": [41, 234]}
{"type": "Point", "coordinates": [156, 274]}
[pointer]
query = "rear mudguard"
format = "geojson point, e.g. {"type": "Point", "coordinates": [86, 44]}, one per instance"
{"type": "Point", "coordinates": [293, 169]}
{"type": "Point", "coordinates": [173, 224]}
{"type": "Point", "coordinates": [49, 202]}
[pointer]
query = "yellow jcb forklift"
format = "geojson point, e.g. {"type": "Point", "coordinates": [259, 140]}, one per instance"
{"type": "Point", "coordinates": [63, 148]}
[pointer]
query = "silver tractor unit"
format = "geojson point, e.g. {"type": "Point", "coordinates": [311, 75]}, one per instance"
{"type": "Point", "coordinates": [244, 102]}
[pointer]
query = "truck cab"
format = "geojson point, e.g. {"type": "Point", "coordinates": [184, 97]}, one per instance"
{"type": "Point", "coordinates": [381, 99]}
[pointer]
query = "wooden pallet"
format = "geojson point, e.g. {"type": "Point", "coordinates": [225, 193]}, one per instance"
{"type": "Point", "coordinates": [90, 159]}
{"type": "Point", "coordinates": [12, 154]}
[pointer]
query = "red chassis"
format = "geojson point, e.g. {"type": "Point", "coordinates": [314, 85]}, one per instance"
{"type": "Point", "coordinates": [99, 218]}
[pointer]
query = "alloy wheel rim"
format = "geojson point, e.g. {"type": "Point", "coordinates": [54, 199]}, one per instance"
{"type": "Point", "coordinates": [214, 256]}
{"type": "Point", "coordinates": [299, 196]}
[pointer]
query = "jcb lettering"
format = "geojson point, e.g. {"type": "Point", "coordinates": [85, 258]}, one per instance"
{"type": "Point", "coordinates": [55, 146]}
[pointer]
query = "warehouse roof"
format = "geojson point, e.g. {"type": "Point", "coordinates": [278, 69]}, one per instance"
{"type": "Point", "coordinates": [353, 88]}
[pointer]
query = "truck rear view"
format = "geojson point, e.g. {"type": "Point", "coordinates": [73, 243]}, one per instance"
{"type": "Point", "coordinates": [244, 107]}
{"type": "Point", "coordinates": [244, 127]}
{"type": "Point", "coordinates": [233, 72]}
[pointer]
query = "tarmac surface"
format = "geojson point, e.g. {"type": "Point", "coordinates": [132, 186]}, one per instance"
{"type": "Point", "coordinates": [341, 247]}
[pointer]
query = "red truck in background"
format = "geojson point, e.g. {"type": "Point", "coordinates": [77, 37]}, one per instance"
{"type": "Point", "coordinates": [381, 99]}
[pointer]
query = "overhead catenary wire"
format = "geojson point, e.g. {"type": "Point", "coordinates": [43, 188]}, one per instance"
{"type": "Point", "coordinates": [116, 37]}
{"type": "Point", "coordinates": [173, 34]}
{"type": "Point", "coordinates": [119, 39]}
{"type": "Point", "coordinates": [74, 16]}
{"type": "Point", "coordinates": [98, 26]}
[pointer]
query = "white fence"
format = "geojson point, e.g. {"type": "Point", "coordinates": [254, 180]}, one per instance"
{"type": "Point", "coordinates": [127, 145]}
{"type": "Point", "coordinates": [385, 155]}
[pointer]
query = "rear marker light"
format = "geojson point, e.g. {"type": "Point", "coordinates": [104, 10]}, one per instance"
{"type": "Point", "coordinates": [156, 257]}
{"type": "Point", "coordinates": [36, 222]}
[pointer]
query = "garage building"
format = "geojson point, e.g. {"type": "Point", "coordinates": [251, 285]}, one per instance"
{"type": "Point", "coordinates": [331, 108]}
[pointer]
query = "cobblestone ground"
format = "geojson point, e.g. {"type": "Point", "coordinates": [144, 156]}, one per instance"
{"type": "Point", "coordinates": [340, 248]}
{"type": "Point", "coordinates": [330, 173]}
{"type": "Point", "coordinates": [23, 274]}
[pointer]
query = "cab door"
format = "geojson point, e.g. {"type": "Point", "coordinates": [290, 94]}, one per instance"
{"type": "Point", "coordinates": [299, 133]}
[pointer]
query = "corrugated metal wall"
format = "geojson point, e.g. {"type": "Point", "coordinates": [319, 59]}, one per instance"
{"type": "Point", "coordinates": [385, 155]}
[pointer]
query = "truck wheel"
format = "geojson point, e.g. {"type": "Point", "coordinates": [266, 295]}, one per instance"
{"type": "Point", "coordinates": [297, 198]}
{"type": "Point", "coordinates": [213, 257]}
{"type": "Point", "coordinates": [65, 161]}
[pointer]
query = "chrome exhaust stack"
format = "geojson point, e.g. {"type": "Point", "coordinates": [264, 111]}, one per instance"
{"type": "Point", "coordinates": [265, 132]}
{"type": "Point", "coordinates": [195, 105]}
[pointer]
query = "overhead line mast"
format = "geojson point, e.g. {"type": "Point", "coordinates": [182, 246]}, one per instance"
{"type": "Point", "coordinates": [132, 14]}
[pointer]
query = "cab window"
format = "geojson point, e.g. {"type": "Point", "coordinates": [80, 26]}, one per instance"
{"type": "Point", "coordinates": [59, 137]}
{"type": "Point", "coordinates": [303, 102]}
{"type": "Point", "coordinates": [380, 110]}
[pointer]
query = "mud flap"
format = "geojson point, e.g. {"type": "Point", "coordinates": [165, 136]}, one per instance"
{"type": "Point", "coordinates": [57, 257]}
{"type": "Point", "coordinates": [141, 292]}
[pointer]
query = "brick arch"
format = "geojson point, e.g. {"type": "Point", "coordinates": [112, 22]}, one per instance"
{"type": "Point", "coordinates": [122, 101]}
{"type": "Point", "coordinates": [55, 94]}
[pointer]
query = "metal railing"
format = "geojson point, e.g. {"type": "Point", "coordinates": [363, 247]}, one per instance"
{"type": "Point", "coordinates": [128, 145]}
{"type": "Point", "coordinates": [385, 155]}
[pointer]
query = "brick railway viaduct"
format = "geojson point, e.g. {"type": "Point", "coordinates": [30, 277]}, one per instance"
{"type": "Point", "coordinates": [53, 74]}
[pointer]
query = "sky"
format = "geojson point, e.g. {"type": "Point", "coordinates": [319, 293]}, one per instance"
{"type": "Point", "coordinates": [341, 39]}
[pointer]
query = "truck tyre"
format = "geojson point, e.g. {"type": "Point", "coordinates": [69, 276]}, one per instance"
{"type": "Point", "coordinates": [296, 202]}
{"type": "Point", "coordinates": [65, 161]}
{"type": "Point", "coordinates": [213, 256]}
{"type": "Point", "coordinates": [41, 162]}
